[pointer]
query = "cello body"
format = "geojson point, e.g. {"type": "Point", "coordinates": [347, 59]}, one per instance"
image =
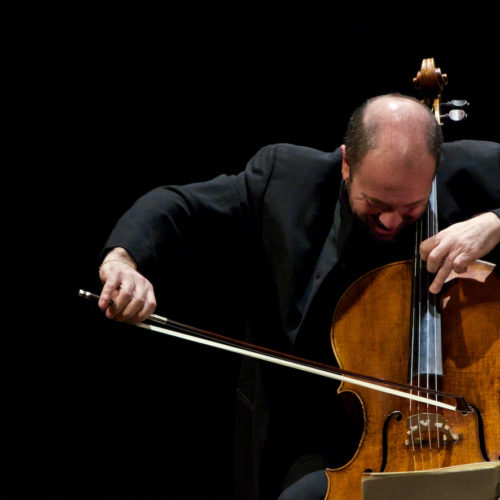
{"type": "Point", "coordinates": [370, 334]}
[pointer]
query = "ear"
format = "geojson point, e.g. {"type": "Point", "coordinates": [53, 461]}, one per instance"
{"type": "Point", "coordinates": [346, 171]}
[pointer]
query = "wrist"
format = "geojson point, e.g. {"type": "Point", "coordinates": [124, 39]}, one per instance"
{"type": "Point", "coordinates": [119, 254]}
{"type": "Point", "coordinates": [495, 222]}
{"type": "Point", "coordinates": [491, 226]}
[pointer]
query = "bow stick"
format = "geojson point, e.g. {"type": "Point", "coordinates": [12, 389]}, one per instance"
{"type": "Point", "coordinates": [197, 335]}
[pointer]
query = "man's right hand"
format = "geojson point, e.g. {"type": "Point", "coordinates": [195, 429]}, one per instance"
{"type": "Point", "coordinates": [126, 295]}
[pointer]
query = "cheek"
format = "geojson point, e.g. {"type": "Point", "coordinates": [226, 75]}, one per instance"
{"type": "Point", "coordinates": [413, 215]}
{"type": "Point", "coordinates": [363, 209]}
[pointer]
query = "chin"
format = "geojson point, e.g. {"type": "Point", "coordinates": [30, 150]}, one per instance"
{"type": "Point", "coordinates": [383, 237]}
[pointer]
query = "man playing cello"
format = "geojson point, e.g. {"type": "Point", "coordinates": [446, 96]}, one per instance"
{"type": "Point", "coordinates": [301, 226]}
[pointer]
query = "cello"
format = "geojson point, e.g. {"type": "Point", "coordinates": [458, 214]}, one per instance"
{"type": "Point", "coordinates": [449, 342]}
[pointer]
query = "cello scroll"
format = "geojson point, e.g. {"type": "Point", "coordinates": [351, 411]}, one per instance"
{"type": "Point", "coordinates": [430, 82]}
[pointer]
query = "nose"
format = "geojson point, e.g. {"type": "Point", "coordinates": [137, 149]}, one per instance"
{"type": "Point", "coordinates": [390, 220]}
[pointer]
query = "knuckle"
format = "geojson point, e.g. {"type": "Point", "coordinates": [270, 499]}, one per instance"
{"type": "Point", "coordinates": [126, 294]}
{"type": "Point", "coordinates": [448, 261]}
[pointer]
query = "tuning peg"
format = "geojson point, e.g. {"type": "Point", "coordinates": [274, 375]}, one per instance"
{"type": "Point", "coordinates": [456, 103]}
{"type": "Point", "coordinates": [455, 115]}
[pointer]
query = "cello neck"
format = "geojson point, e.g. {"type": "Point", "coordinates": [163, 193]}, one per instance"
{"type": "Point", "coordinates": [426, 363]}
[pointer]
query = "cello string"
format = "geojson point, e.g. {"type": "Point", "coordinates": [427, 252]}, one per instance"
{"type": "Point", "coordinates": [417, 337]}
{"type": "Point", "coordinates": [432, 304]}
{"type": "Point", "coordinates": [415, 343]}
{"type": "Point", "coordinates": [419, 334]}
{"type": "Point", "coordinates": [429, 324]}
{"type": "Point", "coordinates": [414, 318]}
{"type": "Point", "coordinates": [436, 326]}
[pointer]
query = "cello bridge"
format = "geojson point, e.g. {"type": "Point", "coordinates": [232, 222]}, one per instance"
{"type": "Point", "coordinates": [429, 428]}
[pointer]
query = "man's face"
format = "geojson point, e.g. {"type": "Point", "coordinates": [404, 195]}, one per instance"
{"type": "Point", "coordinates": [387, 191]}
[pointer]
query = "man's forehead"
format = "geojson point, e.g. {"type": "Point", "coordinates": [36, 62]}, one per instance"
{"type": "Point", "coordinates": [395, 159]}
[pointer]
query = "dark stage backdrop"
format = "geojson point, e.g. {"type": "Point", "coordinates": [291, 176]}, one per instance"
{"type": "Point", "coordinates": [124, 99]}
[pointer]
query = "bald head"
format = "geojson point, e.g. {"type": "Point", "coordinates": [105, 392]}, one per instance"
{"type": "Point", "coordinates": [398, 124]}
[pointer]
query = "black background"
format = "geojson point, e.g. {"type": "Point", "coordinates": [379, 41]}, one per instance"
{"type": "Point", "coordinates": [113, 101]}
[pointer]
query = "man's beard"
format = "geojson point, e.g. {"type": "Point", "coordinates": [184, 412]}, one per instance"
{"type": "Point", "coordinates": [369, 222]}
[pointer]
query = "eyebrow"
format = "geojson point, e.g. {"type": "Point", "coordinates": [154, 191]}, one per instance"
{"type": "Point", "coordinates": [380, 202]}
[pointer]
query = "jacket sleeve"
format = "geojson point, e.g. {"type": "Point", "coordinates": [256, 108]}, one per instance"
{"type": "Point", "coordinates": [469, 183]}
{"type": "Point", "coordinates": [195, 218]}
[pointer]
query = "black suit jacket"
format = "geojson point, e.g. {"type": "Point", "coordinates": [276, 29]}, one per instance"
{"type": "Point", "coordinates": [284, 229]}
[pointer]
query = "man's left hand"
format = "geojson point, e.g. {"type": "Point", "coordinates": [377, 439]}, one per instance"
{"type": "Point", "coordinates": [454, 248]}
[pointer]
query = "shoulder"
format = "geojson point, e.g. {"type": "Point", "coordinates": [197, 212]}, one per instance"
{"type": "Point", "coordinates": [300, 178]}
{"type": "Point", "coordinates": [467, 153]}
{"type": "Point", "coordinates": [293, 153]}
{"type": "Point", "coordinates": [470, 159]}
{"type": "Point", "coordinates": [468, 179]}
{"type": "Point", "coordinates": [299, 161]}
